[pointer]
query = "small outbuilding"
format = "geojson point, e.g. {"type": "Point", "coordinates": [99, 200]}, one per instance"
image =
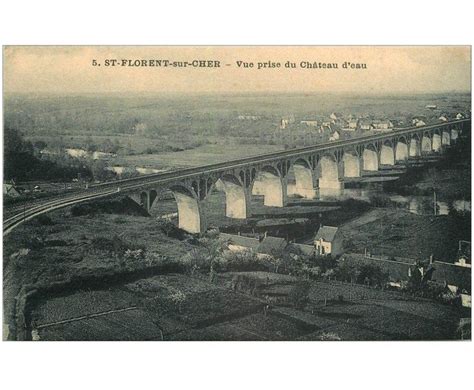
{"type": "Point", "coordinates": [328, 241]}
{"type": "Point", "coordinates": [272, 246]}
{"type": "Point", "coordinates": [10, 190]}
{"type": "Point", "coordinates": [238, 243]}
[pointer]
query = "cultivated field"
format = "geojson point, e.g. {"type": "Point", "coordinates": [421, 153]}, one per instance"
{"type": "Point", "coordinates": [212, 311]}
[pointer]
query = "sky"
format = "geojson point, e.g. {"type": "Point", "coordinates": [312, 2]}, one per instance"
{"type": "Point", "coordinates": [389, 70]}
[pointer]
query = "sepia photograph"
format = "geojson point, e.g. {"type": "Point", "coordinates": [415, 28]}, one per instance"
{"type": "Point", "coordinates": [236, 193]}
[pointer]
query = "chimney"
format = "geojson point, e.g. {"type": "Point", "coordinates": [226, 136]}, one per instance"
{"type": "Point", "coordinates": [431, 259]}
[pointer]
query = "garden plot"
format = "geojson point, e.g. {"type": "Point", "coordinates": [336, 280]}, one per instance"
{"type": "Point", "coordinates": [79, 304]}
{"type": "Point", "coordinates": [253, 327]}
{"type": "Point", "coordinates": [130, 325]}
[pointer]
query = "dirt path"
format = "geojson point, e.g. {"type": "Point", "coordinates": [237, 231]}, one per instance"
{"type": "Point", "coordinates": [86, 317]}
{"type": "Point", "coordinates": [369, 217]}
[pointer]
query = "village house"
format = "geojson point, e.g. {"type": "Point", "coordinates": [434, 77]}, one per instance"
{"type": "Point", "coordinates": [459, 116]}
{"type": "Point", "coordinates": [102, 155]}
{"type": "Point", "coordinates": [365, 124]}
{"type": "Point", "coordinates": [284, 123]}
{"type": "Point", "coordinates": [464, 254]}
{"type": "Point", "coordinates": [309, 122]}
{"type": "Point", "coordinates": [263, 247]}
{"type": "Point", "coordinates": [47, 153]}
{"type": "Point", "coordinates": [305, 250]}
{"type": "Point", "coordinates": [334, 116]}
{"type": "Point", "coordinates": [352, 125]}
{"type": "Point", "coordinates": [238, 243]}
{"type": "Point", "coordinates": [456, 278]}
{"type": "Point", "coordinates": [382, 125]}
{"type": "Point", "coordinates": [10, 191]}
{"type": "Point", "coordinates": [325, 128]}
{"type": "Point", "coordinates": [328, 241]}
{"type": "Point", "coordinates": [78, 153]}
{"type": "Point", "coordinates": [248, 117]}
{"type": "Point", "coordinates": [443, 118]}
{"type": "Point", "coordinates": [271, 247]}
{"type": "Point", "coordinates": [287, 120]}
{"type": "Point", "coordinates": [418, 122]}
{"type": "Point", "coordinates": [335, 136]}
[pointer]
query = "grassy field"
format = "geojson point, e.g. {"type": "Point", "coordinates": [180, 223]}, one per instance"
{"type": "Point", "coordinates": [202, 155]}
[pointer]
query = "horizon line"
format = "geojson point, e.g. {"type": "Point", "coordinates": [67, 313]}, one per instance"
{"type": "Point", "coordinates": [198, 93]}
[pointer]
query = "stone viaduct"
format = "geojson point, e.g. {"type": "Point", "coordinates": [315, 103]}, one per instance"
{"type": "Point", "coordinates": [320, 168]}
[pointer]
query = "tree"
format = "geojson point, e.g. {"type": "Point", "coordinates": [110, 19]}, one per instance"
{"type": "Point", "coordinates": [90, 145]}
{"type": "Point", "coordinates": [13, 142]}
{"type": "Point", "coordinates": [40, 145]}
{"type": "Point", "coordinates": [108, 146]}
{"type": "Point", "coordinates": [22, 164]}
{"type": "Point", "coordinates": [372, 275]}
{"type": "Point", "coordinates": [245, 260]}
{"type": "Point", "coordinates": [299, 294]}
{"type": "Point", "coordinates": [100, 171]}
{"type": "Point", "coordinates": [177, 298]}
{"type": "Point", "coordinates": [213, 250]}
{"type": "Point", "coordinates": [345, 271]}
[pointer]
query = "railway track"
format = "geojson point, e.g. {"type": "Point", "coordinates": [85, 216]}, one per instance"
{"type": "Point", "coordinates": [10, 223]}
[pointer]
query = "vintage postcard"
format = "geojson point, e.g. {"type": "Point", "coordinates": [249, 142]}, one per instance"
{"type": "Point", "coordinates": [263, 193]}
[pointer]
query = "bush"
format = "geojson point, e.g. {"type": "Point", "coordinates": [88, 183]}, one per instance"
{"type": "Point", "coordinates": [197, 261]}
{"type": "Point", "coordinates": [372, 275]}
{"type": "Point", "coordinates": [300, 264]}
{"type": "Point", "coordinates": [247, 283]}
{"type": "Point", "coordinates": [243, 261]}
{"type": "Point", "coordinates": [329, 336]}
{"type": "Point", "coordinates": [346, 272]}
{"type": "Point", "coordinates": [171, 230]}
{"type": "Point", "coordinates": [299, 294]}
{"type": "Point", "coordinates": [44, 220]}
{"type": "Point", "coordinates": [118, 246]}
{"type": "Point", "coordinates": [380, 200]}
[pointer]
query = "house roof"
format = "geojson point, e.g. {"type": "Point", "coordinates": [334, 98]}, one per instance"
{"type": "Point", "coordinates": [270, 245]}
{"type": "Point", "coordinates": [9, 189]}
{"type": "Point", "coordinates": [381, 121]}
{"type": "Point", "coordinates": [465, 250]}
{"type": "Point", "coordinates": [452, 274]}
{"type": "Point", "coordinates": [247, 242]}
{"type": "Point", "coordinates": [307, 250]}
{"type": "Point", "coordinates": [397, 270]}
{"type": "Point", "coordinates": [326, 233]}
{"type": "Point", "coordinates": [280, 221]}
{"type": "Point", "coordinates": [365, 122]}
